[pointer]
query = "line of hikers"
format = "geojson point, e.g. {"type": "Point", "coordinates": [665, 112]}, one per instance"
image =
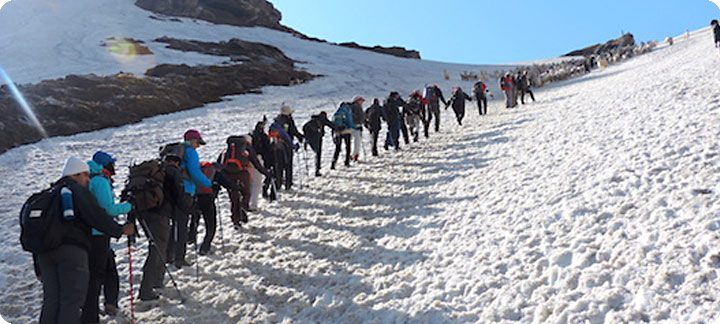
{"type": "Point", "coordinates": [68, 227]}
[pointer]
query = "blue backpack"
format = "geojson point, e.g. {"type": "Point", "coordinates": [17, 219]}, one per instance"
{"type": "Point", "coordinates": [343, 117]}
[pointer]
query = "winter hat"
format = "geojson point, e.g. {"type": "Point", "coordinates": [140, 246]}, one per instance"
{"type": "Point", "coordinates": [248, 138]}
{"type": "Point", "coordinates": [286, 110]}
{"type": "Point", "coordinates": [192, 134]}
{"type": "Point", "coordinates": [103, 158]}
{"type": "Point", "coordinates": [358, 99]}
{"type": "Point", "coordinates": [74, 166]}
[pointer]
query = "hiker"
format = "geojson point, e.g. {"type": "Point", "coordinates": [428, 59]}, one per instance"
{"type": "Point", "coordinates": [415, 114]}
{"type": "Point", "coordinates": [263, 149]}
{"type": "Point", "coordinates": [458, 103]}
{"type": "Point", "coordinates": [205, 204]}
{"type": "Point", "coordinates": [156, 223]}
{"type": "Point", "coordinates": [64, 270]}
{"type": "Point", "coordinates": [433, 95]}
{"type": "Point", "coordinates": [101, 262]}
{"type": "Point", "coordinates": [358, 118]}
{"type": "Point", "coordinates": [480, 90]}
{"type": "Point", "coordinates": [524, 85]}
{"type": "Point", "coordinates": [237, 161]}
{"type": "Point", "coordinates": [507, 85]}
{"type": "Point", "coordinates": [373, 117]}
{"type": "Point", "coordinates": [281, 148]}
{"type": "Point", "coordinates": [344, 126]}
{"type": "Point", "coordinates": [716, 32]}
{"type": "Point", "coordinates": [190, 165]}
{"type": "Point", "coordinates": [392, 118]}
{"type": "Point", "coordinates": [286, 122]}
{"type": "Point", "coordinates": [314, 132]}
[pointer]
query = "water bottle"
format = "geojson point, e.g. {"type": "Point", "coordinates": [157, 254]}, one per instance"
{"type": "Point", "coordinates": [67, 203]}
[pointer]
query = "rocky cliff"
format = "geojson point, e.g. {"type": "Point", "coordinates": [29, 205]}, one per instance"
{"type": "Point", "coordinates": [228, 12]}
{"type": "Point", "coordinates": [624, 41]}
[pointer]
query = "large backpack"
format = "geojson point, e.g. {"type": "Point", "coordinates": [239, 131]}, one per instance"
{"type": "Point", "coordinates": [176, 150]}
{"type": "Point", "coordinates": [236, 157]}
{"type": "Point", "coordinates": [41, 223]}
{"type": "Point", "coordinates": [340, 117]}
{"type": "Point", "coordinates": [208, 169]}
{"type": "Point", "coordinates": [145, 184]}
{"type": "Point", "coordinates": [431, 94]}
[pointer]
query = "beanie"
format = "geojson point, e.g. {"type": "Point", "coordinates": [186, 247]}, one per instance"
{"type": "Point", "coordinates": [74, 166]}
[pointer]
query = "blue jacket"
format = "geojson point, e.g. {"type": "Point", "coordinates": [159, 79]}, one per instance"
{"type": "Point", "coordinates": [191, 164]}
{"type": "Point", "coordinates": [102, 189]}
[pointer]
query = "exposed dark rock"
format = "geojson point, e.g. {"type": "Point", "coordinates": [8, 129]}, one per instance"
{"type": "Point", "coordinates": [626, 40]}
{"type": "Point", "coordinates": [228, 12]}
{"type": "Point", "coordinates": [236, 49]}
{"type": "Point", "coordinates": [394, 51]}
{"type": "Point", "coordinates": [82, 103]}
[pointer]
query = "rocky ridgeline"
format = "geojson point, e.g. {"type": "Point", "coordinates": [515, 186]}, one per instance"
{"type": "Point", "coordinates": [247, 13]}
{"type": "Point", "coordinates": [82, 103]}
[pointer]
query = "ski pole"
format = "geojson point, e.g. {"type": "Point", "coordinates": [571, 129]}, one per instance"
{"type": "Point", "coordinates": [151, 238]}
{"type": "Point", "coordinates": [132, 296]}
{"type": "Point", "coordinates": [219, 218]}
{"type": "Point", "coordinates": [197, 261]}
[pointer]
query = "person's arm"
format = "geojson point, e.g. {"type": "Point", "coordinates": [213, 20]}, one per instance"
{"type": "Point", "coordinates": [192, 163]}
{"type": "Point", "coordinates": [295, 132]}
{"type": "Point", "coordinates": [467, 97]}
{"type": "Point", "coordinates": [91, 213]}
{"type": "Point", "coordinates": [100, 187]}
{"type": "Point", "coordinates": [440, 95]}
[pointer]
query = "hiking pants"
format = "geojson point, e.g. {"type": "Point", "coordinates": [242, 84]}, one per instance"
{"type": "Point", "coordinates": [338, 142]}
{"type": "Point", "coordinates": [65, 276]}
{"type": "Point", "coordinates": [404, 130]}
{"type": "Point", "coordinates": [153, 269]}
{"type": "Point", "coordinates": [357, 140]}
{"type": "Point", "coordinates": [508, 98]}
{"type": "Point", "coordinates": [206, 207]}
{"type": "Point", "coordinates": [111, 286]}
{"type": "Point", "coordinates": [374, 136]}
{"type": "Point", "coordinates": [240, 200]}
{"type": "Point", "coordinates": [316, 145]}
{"type": "Point", "coordinates": [393, 136]}
{"type": "Point", "coordinates": [97, 264]}
{"type": "Point", "coordinates": [180, 228]}
{"type": "Point", "coordinates": [434, 110]}
{"type": "Point", "coordinates": [482, 105]}
{"type": "Point", "coordinates": [256, 186]}
{"type": "Point", "coordinates": [459, 114]}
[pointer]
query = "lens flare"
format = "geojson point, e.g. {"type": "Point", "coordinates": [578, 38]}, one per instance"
{"type": "Point", "coordinates": [21, 101]}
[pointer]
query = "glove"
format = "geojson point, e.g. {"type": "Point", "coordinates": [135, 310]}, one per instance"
{"type": "Point", "coordinates": [296, 147]}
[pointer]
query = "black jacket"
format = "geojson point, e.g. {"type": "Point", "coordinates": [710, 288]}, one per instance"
{"type": "Point", "coordinates": [716, 31]}
{"type": "Point", "coordinates": [374, 115]}
{"type": "Point", "coordinates": [315, 128]}
{"type": "Point", "coordinates": [287, 123]}
{"type": "Point", "coordinates": [392, 110]}
{"type": "Point", "coordinates": [88, 215]}
{"type": "Point", "coordinates": [458, 100]}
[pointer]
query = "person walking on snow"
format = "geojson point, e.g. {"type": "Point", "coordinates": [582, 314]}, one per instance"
{"type": "Point", "coordinates": [344, 126]}
{"type": "Point", "coordinates": [507, 86]}
{"type": "Point", "coordinates": [314, 132]}
{"type": "Point", "coordinates": [392, 118]}
{"type": "Point", "coordinates": [415, 114]}
{"type": "Point", "coordinates": [358, 118]}
{"type": "Point", "coordinates": [205, 204]}
{"type": "Point", "coordinates": [373, 122]}
{"type": "Point", "coordinates": [458, 103]}
{"type": "Point", "coordinates": [524, 81]}
{"type": "Point", "coordinates": [716, 32]}
{"type": "Point", "coordinates": [287, 123]}
{"type": "Point", "coordinates": [480, 90]}
{"type": "Point", "coordinates": [433, 96]}
{"type": "Point", "coordinates": [103, 270]}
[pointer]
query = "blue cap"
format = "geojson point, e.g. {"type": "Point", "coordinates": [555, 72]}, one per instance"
{"type": "Point", "coordinates": [103, 158]}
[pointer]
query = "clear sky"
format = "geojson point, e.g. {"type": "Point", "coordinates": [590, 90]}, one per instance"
{"type": "Point", "coordinates": [492, 32]}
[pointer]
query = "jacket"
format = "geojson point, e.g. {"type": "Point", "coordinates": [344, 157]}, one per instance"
{"type": "Point", "coordinates": [374, 116]}
{"type": "Point", "coordinates": [102, 188]}
{"type": "Point", "coordinates": [88, 215]}
{"type": "Point", "coordinates": [358, 115]}
{"type": "Point", "coordinates": [438, 96]}
{"type": "Point", "coordinates": [315, 128]}
{"type": "Point", "coordinates": [191, 164]}
{"type": "Point", "coordinates": [288, 124]}
{"type": "Point", "coordinates": [458, 100]}
{"type": "Point", "coordinates": [392, 111]}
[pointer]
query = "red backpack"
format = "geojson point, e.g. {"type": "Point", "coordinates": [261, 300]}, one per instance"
{"type": "Point", "coordinates": [208, 169]}
{"type": "Point", "coordinates": [236, 157]}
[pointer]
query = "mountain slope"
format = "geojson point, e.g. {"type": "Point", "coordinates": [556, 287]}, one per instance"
{"type": "Point", "coordinates": [590, 205]}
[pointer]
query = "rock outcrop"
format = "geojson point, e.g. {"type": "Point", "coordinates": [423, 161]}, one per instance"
{"type": "Point", "coordinates": [626, 40]}
{"type": "Point", "coordinates": [394, 51]}
{"type": "Point", "coordinates": [236, 12]}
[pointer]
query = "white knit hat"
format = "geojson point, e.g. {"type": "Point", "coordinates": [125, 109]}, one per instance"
{"type": "Point", "coordinates": [74, 166]}
{"type": "Point", "coordinates": [286, 109]}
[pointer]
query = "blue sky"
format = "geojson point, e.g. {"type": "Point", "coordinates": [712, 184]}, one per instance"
{"type": "Point", "coordinates": [492, 32]}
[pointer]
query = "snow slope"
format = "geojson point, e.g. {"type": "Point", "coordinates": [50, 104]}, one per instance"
{"type": "Point", "coordinates": [584, 207]}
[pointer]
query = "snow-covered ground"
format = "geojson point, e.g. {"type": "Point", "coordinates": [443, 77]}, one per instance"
{"type": "Point", "coordinates": [588, 206]}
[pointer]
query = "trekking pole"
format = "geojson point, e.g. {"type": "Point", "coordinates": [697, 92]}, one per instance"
{"type": "Point", "coordinates": [219, 217]}
{"type": "Point", "coordinates": [132, 296]}
{"type": "Point", "coordinates": [151, 238]}
{"type": "Point", "coordinates": [197, 262]}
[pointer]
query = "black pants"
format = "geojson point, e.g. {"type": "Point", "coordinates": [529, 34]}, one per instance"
{"type": "Point", "coordinates": [338, 142]}
{"type": "Point", "coordinates": [288, 174]}
{"type": "Point", "coordinates": [374, 137]}
{"type": "Point", "coordinates": [153, 269]}
{"type": "Point", "coordinates": [482, 105]}
{"type": "Point", "coordinates": [522, 96]}
{"type": "Point", "coordinates": [316, 145]}
{"type": "Point", "coordinates": [205, 207]}
{"type": "Point", "coordinates": [404, 130]}
{"type": "Point", "coordinates": [65, 277]}
{"type": "Point", "coordinates": [179, 237]}
{"type": "Point", "coordinates": [97, 264]}
{"type": "Point", "coordinates": [111, 286]}
{"type": "Point", "coordinates": [459, 114]}
{"type": "Point", "coordinates": [434, 111]}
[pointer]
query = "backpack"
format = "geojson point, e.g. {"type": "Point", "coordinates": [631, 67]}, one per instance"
{"type": "Point", "coordinates": [176, 150]}
{"type": "Point", "coordinates": [41, 223]}
{"type": "Point", "coordinates": [236, 158]}
{"type": "Point", "coordinates": [208, 169]}
{"type": "Point", "coordinates": [431, 94]}
{"type": "Point", "coordinates": [145, 184]}
{"type": "Point", "coordinates": [340, 117]}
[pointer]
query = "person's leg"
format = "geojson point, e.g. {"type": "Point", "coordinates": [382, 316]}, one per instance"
{"type": "Point", "coordinates": [206, 204]}
{"type": "Point", "coordinates": [357, 142]}
{"type": "Point", "coordinates": [235, 206]}
{"type": "Point", "coordinates": [97, 263]}
{"type": "Point", "coordinates": [74, 276]}
{"type": "Point", "coordinates": [194, 220]}
{"type": "Point", "coordinates": [485, 105]}
{"type": "Point", "coordinates": [532, 96]}
{"type": "Point", "coordinates": [244, 179]}
{"type": "Point", "coordinates": [289, 170]}
{"type": "Point", "coordinates": [346, 138]}
{"type": "Point", "coordinates": [111, 287]}
{"type": "Point", "coordinates": [181, 234]}
{"type": "Point", "coordinates": [338, 141]}
{"type": "Point", "coordinates": [153, 269]}
{"type": "Point", "coordinates": [374, 142]}
{"type": "Point", "coordinates": [51, 288]}
{"type": "Point", "coordinates": [404, 130]}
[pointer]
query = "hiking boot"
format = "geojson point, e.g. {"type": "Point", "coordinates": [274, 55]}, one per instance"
{"type": "Point", "coordinates": [110, 310]}
{"type": "Point", "coordinates": [318, 174]}
{"type": "Point", "coordinates": [147, 296]}
{"type": "Point", "coordinates": [386, 147]}
{"type": "Point", "coordinates": [332, 166]}
{"type": "Point", "coordinates": [182, 263]}
{"type": "Point", "coordinates": [237, 226]}
{"type": "Point", "coordinates": [204, 252]}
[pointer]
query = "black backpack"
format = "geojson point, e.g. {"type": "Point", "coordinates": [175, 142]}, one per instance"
{"type": "Point", "coordinates": [236, 158]}
{"type": "Point", "coordinates": [41, 224]}
{"type": "Point", "coordinates": [176, 150]}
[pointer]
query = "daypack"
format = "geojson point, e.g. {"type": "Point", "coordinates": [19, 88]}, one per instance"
{"type": "Point", "coordinates": [41, 223]}
{"type": "Point", "coordinates": [236, 157]}
{"type": "Point", "coordinates": [342, 117]}
{"type": "Point", "coordinates": [431, 94]}
{"type": "Point", "coordinates": [145, 184]}
{"type": "Point", "coordinates": [176, 150]}
{"type": "Point", "coordinates": [208, 169]}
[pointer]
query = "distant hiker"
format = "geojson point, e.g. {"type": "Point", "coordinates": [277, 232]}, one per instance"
{"type": "Point", "coordinates": [287, 123]}
{"type": "Point", "coordinates": [480, 91]}
{"type": "Point", "coordinates": [205, 203]}
{"type": "Point", "coordinates": [314, 132]}
{"type": "Point", "coordinates": [237, 162]}
{"type": "Point", "coordinates": [373, 122]}
{"type": "Point", "coordinates": [716, 32]}
{"type": "Point", "coordinates": [103, 270]}
{"type": "Point", "coordinates": [344, 126]}
{"type": "Point", "coordinates": [191, 167]}
{"type": "Point", "coordinates": [507, 86]}
{"type": "Point", "coordinates": [156, 223]}
{"type": "Point", "coordinates": [64, 269]}
{"type": "Point", "coordinates": [358, 118]}
{"type": "Point", "coordinates": [263, 149]}
{"type": "Point", "coordinates": [525, 84]}
{"type": "Point", "coordinates": [392, 118]}
{"type": "Point", "coordinates": [433, 95]}
{"type": "Point", "coordinates": [458, 103]}
{"type": "Point", "coordinates": [415, 114]}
